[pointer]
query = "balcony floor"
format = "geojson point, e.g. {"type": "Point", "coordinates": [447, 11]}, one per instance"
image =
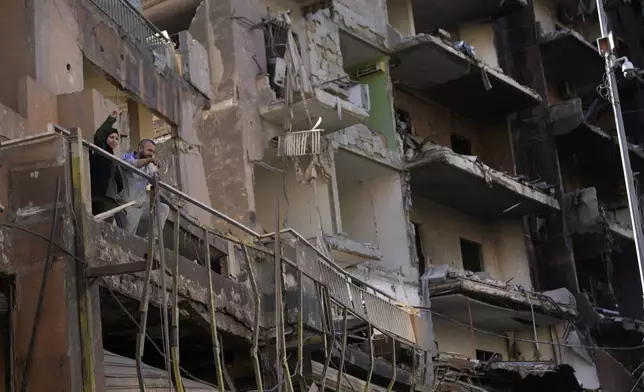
{"type": "Point", "coordinates": [467, 185]}
{"type": "Point", "coordinates": [436, 69]}
{"type": "Point", "coordinates": [336, 113]}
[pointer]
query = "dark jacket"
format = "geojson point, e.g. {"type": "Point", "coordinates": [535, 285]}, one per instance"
{"type": "Point", "coordinates": [106, 176]}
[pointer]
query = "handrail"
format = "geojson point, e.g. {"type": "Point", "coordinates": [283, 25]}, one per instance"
{"type": "Point", "coordinates": [161, 184]}
{"type": "Point", "coordinates": [142, 31]}
{"type": "Point", "coordinates": [223, 216]}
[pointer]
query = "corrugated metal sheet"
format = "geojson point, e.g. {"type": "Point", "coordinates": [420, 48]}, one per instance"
{"type": "Point", "coordinates": [120, 375]}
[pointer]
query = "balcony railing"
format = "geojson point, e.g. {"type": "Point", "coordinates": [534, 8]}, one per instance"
{"type": "Point", "coordinates": [358, 298]}
{"type": "Point", "coordinates": [140, 30]}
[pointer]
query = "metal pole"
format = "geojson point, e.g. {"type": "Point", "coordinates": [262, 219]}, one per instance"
{"type": "Point", "coordinates": [633, 201]}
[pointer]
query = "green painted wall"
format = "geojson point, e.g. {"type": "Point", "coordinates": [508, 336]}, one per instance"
{"type": "Point", "coordinates": [381, 116]}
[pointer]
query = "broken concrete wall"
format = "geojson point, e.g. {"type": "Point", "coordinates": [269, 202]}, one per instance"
{"type": "Point", "coordinates": [363, 141]}
{"type": "Point", "coordinates": [325, 54]}
{"type": "Point", "coordinates": [59, 59]}
{"type": "Point", "coordinates": [546, 16]}
{"type": "Point", "coordinates": [366, 19]}
{"type": "Point", "coordinates": [373, 212]}
{"type": "Point", "coordinates": [481, 37]}
{"type": "Point", "coordinates": [490, 142]}
{"type": "Point", "coordinates": [504, 253]}
{"type": "Point", "coordinates": [232, 129]}
{"type": "Point", "coordinates": [12, 125]}
{"type": "Point", "coordinates": [401, 17]}
{"type": "Point", "coordinates": [306, 207]}
{"type": "Point", "coordinates": [17, 26]}
{"type": "Point", "coordinates": [31, 172]}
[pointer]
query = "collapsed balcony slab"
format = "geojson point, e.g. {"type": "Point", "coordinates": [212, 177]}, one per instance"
{"type": "Point", "coordinates": [347, 252]}
{"type": "Point", "coordinates": [495, 305]}
{"type": "Point", "coordinates": [111, 246]}
{"type": "Point", "coordinates": [568, 56]}
{"type": "Point", "coordinates": [468, 185]}
{"type": "Point", "coordinates": [436, 69]}
{"type": "Point", "coordinates": [336, 113]}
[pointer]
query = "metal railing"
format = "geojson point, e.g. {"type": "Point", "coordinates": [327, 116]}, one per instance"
{"type": "Point", "coordinates": [373, 306]}
{"type": "Point", "coordinates": [344, 287]}
{"type": "Point", "coordinates": [136, 26]}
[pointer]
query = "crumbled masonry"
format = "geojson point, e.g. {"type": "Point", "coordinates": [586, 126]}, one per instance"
{"type": "Point", "coordinates": [457, 220]}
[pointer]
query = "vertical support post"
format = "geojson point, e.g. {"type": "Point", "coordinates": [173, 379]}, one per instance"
{"type": "Point", "coordinates": [145, 294]}
{"type": "Point", "coordinates": [393, 365]}
{"type": "Point", "coordinates": [328, 319]}
{"type": "Point", "coordinates": [345, 318]}
{"type": "Point", "coordinates": [164, 299]}
{"type": "Point", "coordinates": [85, 308]}
{"type": "Point", "coordinates": [372, 357]}
{"type": "Point", "coordinates": [174, 338]}
{"type": "Point", "coordinates": [258, 302]}
{"type": "Point", "coordinates": [213, 319]}
{"type": "Point", "coordinates": [300, 327]}
{"type": "Point", "coordinates": [278, 296]}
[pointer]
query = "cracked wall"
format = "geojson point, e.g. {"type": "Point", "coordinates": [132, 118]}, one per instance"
{"type": "Point", "coordinates": [490, 141]}
{"type": "Point", "coordinates": [504, 254]}
{"type": "Point", "coordinates": [366, 19]}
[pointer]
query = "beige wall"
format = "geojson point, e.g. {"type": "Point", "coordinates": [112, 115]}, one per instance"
{"type": "Point", "coordinates": [308, 208]}
{"type": "Point", "coordinates": [546, 15]}
{"type": "Point", "coordinates": [490, 141]}
{"type": "Point", "coordinates": [373, 212]}
{"type": "Point", "coordinates": [457, 338]}
{"type": "Point", "coordinates": [401, 16]}
{"type": "Point", "coordinates": [481, 37]}
{"type": "Point", "coordinates": [503, 244]}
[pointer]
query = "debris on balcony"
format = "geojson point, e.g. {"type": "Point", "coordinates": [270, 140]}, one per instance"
{"type": "Point", "coordinates": [436, 68]}
{"type": "Point", "coordinates": [441, 175]}
{"type": "Point", "coordinates": [452, 290]}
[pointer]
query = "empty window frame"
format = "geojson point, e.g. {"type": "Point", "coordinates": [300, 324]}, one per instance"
{"type": "Point", "coordinates": [472, 255]}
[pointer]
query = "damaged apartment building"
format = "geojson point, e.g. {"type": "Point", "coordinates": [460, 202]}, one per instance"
{"type": "Point", "coordinates": [365, 195]}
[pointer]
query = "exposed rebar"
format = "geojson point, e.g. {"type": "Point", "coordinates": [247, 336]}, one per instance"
{"type": "Point", "coordinates": [213, 320]}
{"type": "Point", "coordinates": [258, 303]}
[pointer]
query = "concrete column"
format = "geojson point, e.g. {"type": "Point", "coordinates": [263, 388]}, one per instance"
{"type": "Point", "coordinates": [232, 129]}
{"type": "Point", "coordinates": [140, 121]}
{"type": "Point", "coordinates": [56, 363]}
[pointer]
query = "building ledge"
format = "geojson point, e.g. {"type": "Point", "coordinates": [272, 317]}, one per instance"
{"type": "Point", "coordinates": [567, 56]}
{"type": "Point", "coordinates": [448, 13]}
{"type": "Point", "coordinates": [568, 118]}
{"type": "Point", "coordinates": [436, 69]}
{"type": "Point", "coordinates": [494, 305]}
{"type": "Point", "coordinates": [336, 113]}
{"type": "Point", "coordinates": [468, 185]}
{"type": "Point", "coordinates": [348, 253]}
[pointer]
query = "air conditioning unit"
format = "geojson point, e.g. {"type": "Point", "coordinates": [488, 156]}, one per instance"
{"type": "Point", "coordinates": [359, 96]}
{"type": "Point", "coordinates": [371, 69]}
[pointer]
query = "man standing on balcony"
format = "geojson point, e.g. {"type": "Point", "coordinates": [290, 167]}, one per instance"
{"type": "Point", "coordinates": [144, 160]}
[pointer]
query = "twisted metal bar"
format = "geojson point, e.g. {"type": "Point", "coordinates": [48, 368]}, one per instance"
{"type": "Point", "coordinates": [213, 319]}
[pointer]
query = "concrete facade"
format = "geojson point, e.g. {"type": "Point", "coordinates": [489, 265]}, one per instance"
{"type": "Point", "coordinates": [442, 227]}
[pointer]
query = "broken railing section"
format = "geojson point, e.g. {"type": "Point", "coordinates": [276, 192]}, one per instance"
{"type": "Point", "coordinates": [322, 290]}
{"type": "Point", "coordinates": [321, 298]}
